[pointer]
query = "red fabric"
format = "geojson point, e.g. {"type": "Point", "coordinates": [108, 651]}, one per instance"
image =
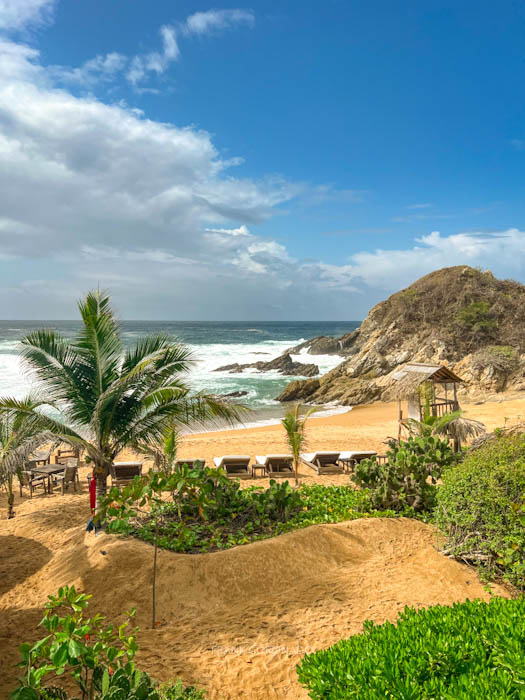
{"type": "Point", "coordinates": [93, 493]}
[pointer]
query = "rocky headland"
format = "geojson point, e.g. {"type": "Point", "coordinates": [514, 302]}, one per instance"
{"type": "Point", "coordinates": [283, 364]}
{"type": "Point", "coordinates": [459, 316]}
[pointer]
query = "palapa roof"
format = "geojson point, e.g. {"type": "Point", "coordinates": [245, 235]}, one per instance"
{"type": "Point", "coordinates": [412, 375]}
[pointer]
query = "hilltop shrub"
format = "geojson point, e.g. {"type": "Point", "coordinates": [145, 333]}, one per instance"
{"type": "Point", "coordinates": [479, 508]}
{"type": "Point", "coordinates": [477, 316]}
{"type": "Point", "coordinates": [470, 650]}
{"type": "Point", "coordinates": [408, 479]}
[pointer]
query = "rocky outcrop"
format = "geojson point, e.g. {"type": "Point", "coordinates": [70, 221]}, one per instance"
{"type": "Point", "coordinates": [458, 316]}
{"type": "Point", "coordinates": [325, 345]}
{"type": "Point", "coordinates": [282, 364]}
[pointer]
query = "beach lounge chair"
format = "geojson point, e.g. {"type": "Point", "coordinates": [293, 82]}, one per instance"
{"type": "Point", "coordinates": [276, 466]}
{"type": "Point", "coordinates": [25, 478]}
{"type": "Point", "coordinates": [234, 465]}
{"type": "Point", "coordinates": [69, 476]}
{"type": "Point", "coordinates": [123, 473]}
{"type": "Point", "coordinates": [323, 462]}
{"type": "Point", "coordinates": [353, 457]}
{"type": "Point", "coordinates": [194, 463]}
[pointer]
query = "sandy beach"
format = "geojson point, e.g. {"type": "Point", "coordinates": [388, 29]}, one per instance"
{"type": "Point", "coordinates": [236, 622]}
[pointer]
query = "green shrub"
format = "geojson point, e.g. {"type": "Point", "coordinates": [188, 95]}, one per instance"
{"type": "Point", "coordinates": [468, 651]}
{"type": "Point", "coordinates": [409, 477]}
{"type": "Point", "coordinates": [97, 659]}
{"type": "Point", "coordinates": [478, 508]}
{"type": "Point", "coordinates": [477, 316]}
{"type": "Point", "coordinates": [210, 512]}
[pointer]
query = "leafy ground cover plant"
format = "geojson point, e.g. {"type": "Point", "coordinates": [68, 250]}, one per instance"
{"type": "Point", "coordinates": [409, 477]}
{"type": "Point", "coordinates": [479, 508]}
{"type": "Point", "coordinates": [202, 510]}
{"type": "Point", "coordinates": [85, 653]}
{"type": "Point", "coordinates": [470, 650]}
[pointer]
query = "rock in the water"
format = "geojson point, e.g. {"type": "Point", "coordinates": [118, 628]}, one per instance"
{"type": "Point", "coordinates": [457, 316]}
{"type": "Point", "coordinates": [234, 394]}
{"type": "Point", "coordinates": [283, 364]}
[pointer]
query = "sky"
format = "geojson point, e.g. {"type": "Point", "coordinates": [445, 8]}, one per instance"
{"type": "Point", "coordinates": [274, 161]}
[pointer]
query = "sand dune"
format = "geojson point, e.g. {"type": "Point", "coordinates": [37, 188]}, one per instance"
{"type": "Point", "coordinates": [235, 622]}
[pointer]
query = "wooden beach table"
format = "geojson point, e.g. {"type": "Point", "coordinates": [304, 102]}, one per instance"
{"type": "Point", "coordinates": [49, 470]}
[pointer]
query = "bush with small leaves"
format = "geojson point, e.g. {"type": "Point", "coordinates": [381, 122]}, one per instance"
{"type": "Point", "coordinates": [480, 508]}
{"type": "Point", "coordinates": [470, 650]}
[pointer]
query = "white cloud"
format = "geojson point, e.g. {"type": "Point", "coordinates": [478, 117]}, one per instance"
{"type": "Point", "coordinates": [20, 14]}
{"type": "Point", "coordinates": [389, 270]}
{"type": "Point", "coordinates": [201, 23]}
{"type": "Point", "coordinates": [242, 230]}
{"type": "Point", "coordinates": [98, 69]}
{"type": "Point", "coordinates": [155, 61]}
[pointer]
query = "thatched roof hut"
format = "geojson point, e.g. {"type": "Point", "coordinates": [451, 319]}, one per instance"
{"type": "Point", "coordinates": [410, 380]}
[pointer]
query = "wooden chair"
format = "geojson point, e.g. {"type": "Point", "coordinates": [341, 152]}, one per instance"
{"type": "Point", "coordinates": [276, 466]}
{"type": "Point", "coordinates": [195, 463]}
{"type": "Point", "coordinates": [236, 466]}
{"type": "Point", "coordinates": [323, 462]}
{"type": "Point", "coordinates": [69, 476]}
{"type": "Point", "coordinates": [123, 473]}
{"type": "Point", "coordinates": [62, 456]}
{"type": "Point", "coordinates": [25, 478]}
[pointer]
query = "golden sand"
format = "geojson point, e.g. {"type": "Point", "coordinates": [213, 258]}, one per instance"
{"type": "Point", "coordinates": [236, 622]}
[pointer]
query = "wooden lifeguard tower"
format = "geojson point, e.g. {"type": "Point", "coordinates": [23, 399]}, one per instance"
{"type": "Point", "coordinates": [419, 385]}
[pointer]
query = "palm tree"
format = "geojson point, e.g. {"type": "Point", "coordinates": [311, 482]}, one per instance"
{"type": "Point", "coordinates": [295, 425]}
{"type": "Point", "coordinates": [20, 435]}
{"type": "Point", "coordinates": [163, 452]}
{"type": "Point", "coordinates": [110, 398]}
{"type": "Point", "coordinates": [451, 425]}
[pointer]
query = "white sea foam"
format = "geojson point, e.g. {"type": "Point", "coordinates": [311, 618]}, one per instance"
{"type": "Point", "coordinates": [262, 387]}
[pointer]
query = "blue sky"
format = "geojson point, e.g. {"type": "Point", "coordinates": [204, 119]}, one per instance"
{"type": "Point", "coordinates": [270, 161]}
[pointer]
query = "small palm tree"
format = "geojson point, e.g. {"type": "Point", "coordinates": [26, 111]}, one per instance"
{"type": "Point", "coordinates": [109, 398]}
{"type": "Point", "coordinates": [451, 425]}
{"type": "Point", "coordinates": [163, 452]}
{"type": "Point", "coordinates": [295, 426]}
{"type": "Point", "coordinates": [20, 435]}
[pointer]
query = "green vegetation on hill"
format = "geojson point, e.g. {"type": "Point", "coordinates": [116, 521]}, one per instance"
{"type": "Point", "coordinates": [470, 650]}
{"type": "Point", "coordinates": [461, 306]}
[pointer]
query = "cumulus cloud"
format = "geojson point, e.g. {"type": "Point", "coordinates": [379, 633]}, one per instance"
{"type": "Point", "coordinates": [389, 270]}
{"type": "Point", "coordinates": [20, 14]}
{"type": "Point", "coordinates": [92, 193]}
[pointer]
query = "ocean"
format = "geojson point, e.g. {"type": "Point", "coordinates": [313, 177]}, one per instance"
{"type": "Point", "coordinates": [213, 344]}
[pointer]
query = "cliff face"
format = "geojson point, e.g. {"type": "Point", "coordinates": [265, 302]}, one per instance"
{"type": "Point", "coordinates": [458, 316]}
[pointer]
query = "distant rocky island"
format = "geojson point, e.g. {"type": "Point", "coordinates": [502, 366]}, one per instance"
{"type": "Point", "coordinates": [458, 316]}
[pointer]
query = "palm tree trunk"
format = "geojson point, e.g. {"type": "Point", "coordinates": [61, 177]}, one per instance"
{"type": "Point", "coordinates": [296, 470]}
{"type": "Point", "coordinates": [10, 498]}
{"type": "Point", "coordinates": [101, 476]}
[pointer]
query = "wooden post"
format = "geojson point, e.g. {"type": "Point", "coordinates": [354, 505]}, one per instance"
{"type": "Point", "coordinates": [399, 420]}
